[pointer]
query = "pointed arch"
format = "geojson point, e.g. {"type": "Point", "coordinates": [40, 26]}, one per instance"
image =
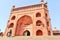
{"type": "Point", "coordinates": [39, 33]}
{"type": "Point", "coordinates": [22, 23]}
{"type": "Point", "coordinates": [49, 33]}
{"type": "Point", "coordinates": [25, 20]}
{"type": "Point", "coordinates": [11, 25]}
{"type": "Point", "coordinates": [38, 23]}
{"type": "Point", "coordinates": [38, 14]}
{"type": "Point", "coordinates": [26, 33]}
{"type": "Point", "coordinates": [9, 33]}
{"type": "Point", "coordinates": [13, 18]}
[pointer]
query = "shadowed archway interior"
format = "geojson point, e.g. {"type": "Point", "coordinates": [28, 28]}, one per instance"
{"type": "Point", "coordinates": [26, 33]}
{"type": "Point", "coordinates": [9, 33]}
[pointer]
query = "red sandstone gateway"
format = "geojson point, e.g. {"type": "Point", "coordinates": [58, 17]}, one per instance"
{"type": "Point", "coordinates": [33, 20]}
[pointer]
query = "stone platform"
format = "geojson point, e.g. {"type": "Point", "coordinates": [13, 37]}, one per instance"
{"type": "Point", "coordinates": [31, 38]}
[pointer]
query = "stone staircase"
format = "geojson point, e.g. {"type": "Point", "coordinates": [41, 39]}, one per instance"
{"type": "Point", "coordinates": [31, 38]}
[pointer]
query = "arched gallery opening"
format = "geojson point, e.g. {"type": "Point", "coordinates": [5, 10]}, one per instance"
{"type": "Point", "coordinates": [39, 33]}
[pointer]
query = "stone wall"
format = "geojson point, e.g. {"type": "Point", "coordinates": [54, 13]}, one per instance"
{"type": "Point", "coordinates": [31, 38]}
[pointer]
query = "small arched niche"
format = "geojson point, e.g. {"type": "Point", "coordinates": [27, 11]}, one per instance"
{"type": "Point", "coordinates": [47, 23]}
{"type": "Point", "coordinates": [38, 14]}
{"type": "Point", "coordinates": [39, 33]}
{"type": "Point", "coordinates": [49, 33]}
{"type": "Point", "coordinates": [46, 15]}
{"type": "Point", "coordinates": [11, 25]}
{"type": "Point", "coordinates": [38, 23]}
{"type": "Point", "coordinates": [13, 18]}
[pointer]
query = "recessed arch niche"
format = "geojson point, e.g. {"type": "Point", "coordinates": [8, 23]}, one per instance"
{"type": "Point", "coordinates": [49, 33]}
{"type": "Point", "coordinates": [39, 33]}
{"type": "Point", "coordinates": [11, 25]}
{"type": "Point", "coordinates": [38, 14]}
{"type": "Point", "coordinates": [22, 22]}
{"type": "Point", "coordinates": [13, 18]}
{"type": "Point", "coordinates": [38, 23]}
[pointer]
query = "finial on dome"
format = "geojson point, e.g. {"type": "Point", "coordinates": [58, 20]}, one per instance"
{"type": "Point", "coordinates": [42, 0]}
{"type": "Point", "coordinates": [46, 2]}
{"type": "Point", "coordinates": [13, 6]}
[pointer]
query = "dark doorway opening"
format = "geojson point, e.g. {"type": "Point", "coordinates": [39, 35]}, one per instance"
{"type": "Point", "coordinates": [9, 33]}
{"type": "Point", "coordinates": [26, 33]}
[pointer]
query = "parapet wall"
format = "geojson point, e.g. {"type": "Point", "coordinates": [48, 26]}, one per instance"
{"type": "Point", "coordinates": [31, 38]}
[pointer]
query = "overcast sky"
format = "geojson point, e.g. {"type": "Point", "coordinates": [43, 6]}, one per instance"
{"type": "Point", "coordinates": [6, 5]}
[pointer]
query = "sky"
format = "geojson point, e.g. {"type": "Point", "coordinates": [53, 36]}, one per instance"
{"type": "Point", "coordinates": [6, 5]}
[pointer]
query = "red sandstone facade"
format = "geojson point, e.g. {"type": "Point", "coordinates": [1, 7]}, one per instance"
{"type": "Point", "coordinates": [33, 20]}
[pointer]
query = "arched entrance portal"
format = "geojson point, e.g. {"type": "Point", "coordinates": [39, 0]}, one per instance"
{"type": "Point", "coordinates": [39, 33]}
{"type": "Point", "coordinates": [26, 33]}
{"type": "Point", "coordinates": [9, 33]}
{"type": "Point", "coordinates": [22, 23]}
